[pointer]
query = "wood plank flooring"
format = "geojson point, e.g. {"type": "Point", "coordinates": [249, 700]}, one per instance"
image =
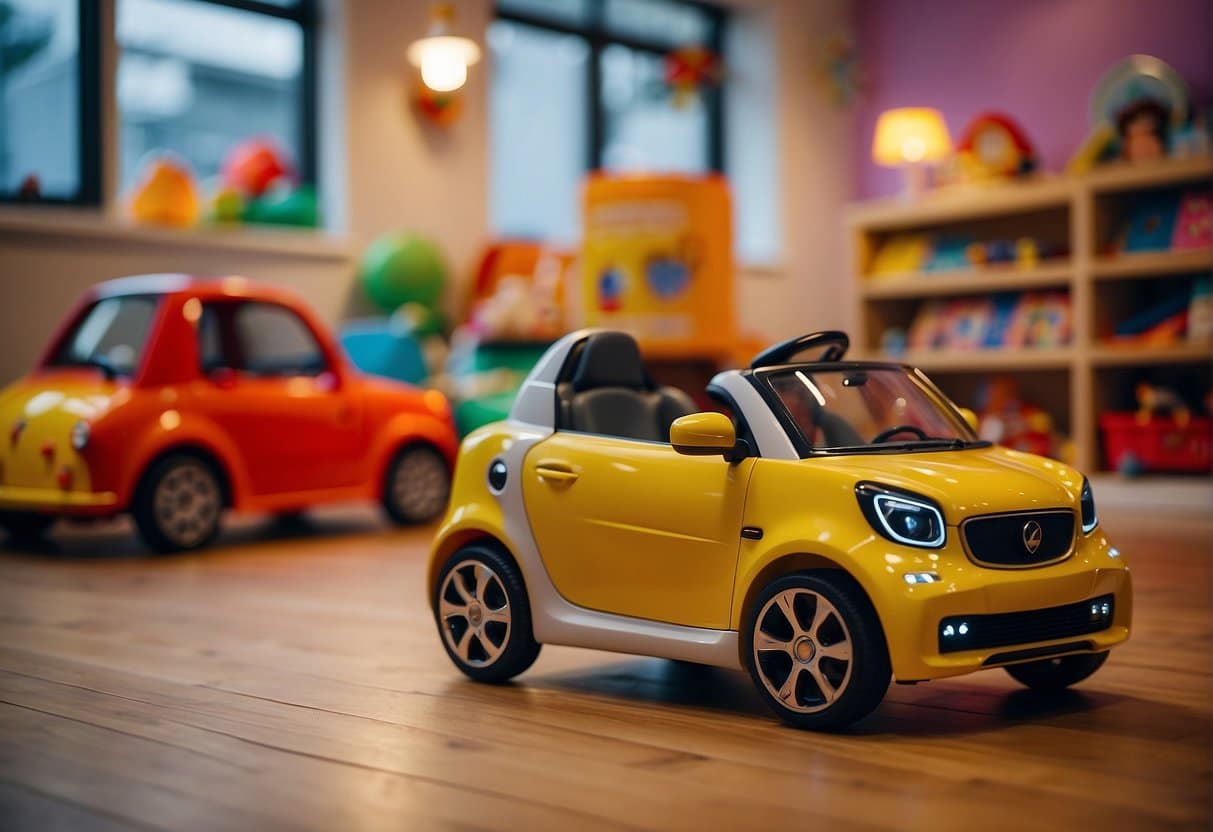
{"type": "Point", "coordinates": [291, 678]}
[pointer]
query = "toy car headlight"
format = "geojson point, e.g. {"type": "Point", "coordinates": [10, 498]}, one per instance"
{"type": "Point", "coordinates": [902, 517]}
{"type": "Point", "coordinates": [1089, 518]}
{"type": "Point", "coordinates": [81, 431]}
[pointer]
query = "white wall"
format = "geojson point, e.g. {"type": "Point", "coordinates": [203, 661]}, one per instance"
{"type": "Point", "coordinates": [402, 174]}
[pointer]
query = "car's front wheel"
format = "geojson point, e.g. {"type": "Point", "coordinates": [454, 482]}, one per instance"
{"type": "Point", "coordinates": [416, 485]}
{"type": "Point", "coordinates": [1056, 674]}
{"type": "Point", "coordinates": [178, 504]}
{"type": "Point", "coordinates": [484, 615]}
{"type": "Point", "coordinates": [817, 653]}
{"type": "Point", "coordinates": [25, 527]}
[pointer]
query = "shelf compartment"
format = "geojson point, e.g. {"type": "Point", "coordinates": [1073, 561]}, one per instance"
{"type": "Point", "coordinates": [968, 281]}
{"type": "Point", "coordinates": [1148, 264]}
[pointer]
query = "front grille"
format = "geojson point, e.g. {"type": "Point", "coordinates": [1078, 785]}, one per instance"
{"type": "Point", "coordinates": [1005, 629]}
{"type": "Point", "coordinates": [1004, 540]}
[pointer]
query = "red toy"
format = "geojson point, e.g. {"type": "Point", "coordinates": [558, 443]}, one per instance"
{"type": "Point", "coordinates": [173, 398]}
{"type": "Point", "coordinates": [253, 165]}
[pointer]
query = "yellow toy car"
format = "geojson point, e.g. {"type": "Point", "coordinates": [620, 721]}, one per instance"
{"type": "Point", "coordinates": [840, 526]}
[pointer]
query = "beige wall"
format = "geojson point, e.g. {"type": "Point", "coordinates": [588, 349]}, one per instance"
{"type": "Point", "coordinates": [384, 169]}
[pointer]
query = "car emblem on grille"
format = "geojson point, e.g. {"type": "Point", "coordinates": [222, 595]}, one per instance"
{"type": "Point", "coordinates": [1032, 536]}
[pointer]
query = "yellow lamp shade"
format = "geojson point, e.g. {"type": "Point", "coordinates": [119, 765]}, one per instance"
{"type": "Point", "coordinates": [910, 135]}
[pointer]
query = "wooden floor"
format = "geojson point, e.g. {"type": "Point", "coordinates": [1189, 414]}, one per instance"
{"type": "Point", "coordinates": [292, 678]}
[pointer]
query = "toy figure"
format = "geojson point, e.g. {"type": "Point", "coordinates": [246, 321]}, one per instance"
{"type": "Point", "coordinates": [1142, 127]}
{"type": "Point", "coordinates": [843, 528]}
{"type": "Point", "coordinates": [173, 399]}
{"type": "Point", "coordinates": [1160, 401]}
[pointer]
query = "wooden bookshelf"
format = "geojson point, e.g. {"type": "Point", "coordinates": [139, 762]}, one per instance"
{"type": "Point", "coordinates": [1074, 382]}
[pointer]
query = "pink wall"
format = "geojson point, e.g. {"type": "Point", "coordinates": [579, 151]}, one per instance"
{"type": "Point", "coordinates": [1036, 60]}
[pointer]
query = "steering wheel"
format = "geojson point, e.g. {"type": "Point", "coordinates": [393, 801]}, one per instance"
{"type": "Point", "coordinates": [886, 435]}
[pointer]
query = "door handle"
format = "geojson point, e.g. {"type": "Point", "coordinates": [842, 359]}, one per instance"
{"type": "Point", "coordinates": [556, 471]}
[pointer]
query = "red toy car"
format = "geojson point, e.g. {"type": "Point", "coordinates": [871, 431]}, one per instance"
{"type": "Point", "coordinates": [173, 398]}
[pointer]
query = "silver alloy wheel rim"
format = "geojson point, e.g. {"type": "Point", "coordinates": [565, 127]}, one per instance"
{"type": "Point", "coordinates": [187, 503]}
{"type": "Point", "coordinates": [817, 655]}
{"type": "Point", "coordinates": [474, 610]}
{"type": "Point", "coordinates": [419, 484]}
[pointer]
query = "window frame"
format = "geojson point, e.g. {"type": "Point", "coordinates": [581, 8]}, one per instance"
{"type": "Point", "coordinates": [598, 37]}
{"type": "Point", "coordinates": [88, 117]}
{"type": "Point", "coordinates": [93, 41]}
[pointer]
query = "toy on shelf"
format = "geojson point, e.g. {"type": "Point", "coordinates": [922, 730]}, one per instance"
{"type": "Point", "coordinates": [1140, 112]}
{"type": "Point", "coordinates": [1004, 320]}
{"type": "Point", "coordinates": [1194, 222]}
{"type": "Point", "coordinates": [1157, 444]}
{"type": "Point", "coordinates": [994, 146]}
{"type": "Point", "coordinates": [607, 511]}
{"type": "Point", "coordinates": [166, 193]}
{"type": "Point", "coordinates": [173, 398]}
{"type": "Point", "coordinates": [1160, 401]}
{"type": "Point", "coordinates": [254, 165]}
{"type": "Point", "coordinates": [1160, 324]}
{"type": "Point", "coordinates": [904, 254]}
{"type": "Point", "coordinates": [1007, 418]}
{"type": "Point", "coordinates": [284, 204]}
{"type": "Point", "coordinates": [901, 254]}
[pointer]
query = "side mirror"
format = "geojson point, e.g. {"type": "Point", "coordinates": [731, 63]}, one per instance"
{"type": "Point", "coordinates": [970, 417]}
{"type": "Point", "coordinates": [703, 434]}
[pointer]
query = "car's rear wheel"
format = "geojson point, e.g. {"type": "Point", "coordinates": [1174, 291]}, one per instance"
{"type": "Point", "coordinates": [1057, 674]}
{"type": "Point", "coordinates": [178, 504]}
{"type": "Point", "coordinates": [416, 485]}
{"type": "Point", "coordinates": [25, 527]}
{"type": "Point", "coordinates": [817, 653]}
{"type": "Point", "coordinates": [484, 615]}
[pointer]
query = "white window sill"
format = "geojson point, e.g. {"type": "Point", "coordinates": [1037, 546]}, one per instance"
{"type": "Point", "coordinates": [56, 222]}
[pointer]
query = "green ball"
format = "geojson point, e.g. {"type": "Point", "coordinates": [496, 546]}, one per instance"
{"type": "Point", "coordinates": [401, 268]}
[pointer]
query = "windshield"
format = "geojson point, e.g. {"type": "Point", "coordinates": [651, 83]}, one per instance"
{"type": "Point", "coordinates": [866, 409]}
{"type": "Point", "coordinates": [110, 336]}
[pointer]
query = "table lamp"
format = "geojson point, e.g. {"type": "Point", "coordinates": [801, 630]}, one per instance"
{"type": "Point", "coordinates": [911, 138]}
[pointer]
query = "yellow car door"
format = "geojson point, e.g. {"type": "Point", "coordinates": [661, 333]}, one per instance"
{"type": "Point", "coordinates": [635, 528]}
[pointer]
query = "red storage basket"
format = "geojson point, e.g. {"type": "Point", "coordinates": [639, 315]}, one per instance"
{"type": "Point", "coordinates": [1158, 444]}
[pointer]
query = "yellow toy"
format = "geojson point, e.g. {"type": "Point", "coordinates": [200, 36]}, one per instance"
{"type": "Point", "coordinates": [166, 194]}
{"type": "Point", "coordinates": [842, 526]}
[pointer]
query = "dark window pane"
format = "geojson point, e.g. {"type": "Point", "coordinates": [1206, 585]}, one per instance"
{"type": "Point", "coordinates": [537, 122]}
{"type": "Point", "coordinates": [673, 23]}
{"type": "Point", "coordinates": [111, 335]}
{"type": "Point", "coordinates": [276, 342]}
{"type": "Point", "coordinates": [572, 12]}
{"type": "Point", "coordinates": [196, 78]}
{"type": "Point", "coordinates": [645, 130]}
{"type": "Point", "coordinates": [40, 97]}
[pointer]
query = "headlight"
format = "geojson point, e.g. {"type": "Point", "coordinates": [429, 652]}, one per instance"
{"type": "Point", "coordinates": [1089, 518]}
{"type": "Point", "coordinates": [80, 434]}
{"type": "Point", "coordinates": [902, 517]}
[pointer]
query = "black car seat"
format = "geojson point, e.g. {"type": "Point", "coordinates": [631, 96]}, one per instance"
{"type": "Point", "coordinates": [610, 393]}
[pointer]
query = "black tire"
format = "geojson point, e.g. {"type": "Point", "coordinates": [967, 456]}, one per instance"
{"type": "Point", "coordinates": [178, 504]}
{"type": "Point", "coordinates": [416, 485]}
{"type": "Point", "coordinates": [1056, 674]}
{"type": "Point", "coordinates": [26, 527]}
{"type": "Point", "coordinates": [479, 643]}
{"type": "Point", "coordinates": [833, 669]}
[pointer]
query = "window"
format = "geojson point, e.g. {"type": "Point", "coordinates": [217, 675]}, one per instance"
{"type": "Point", "coordinates": [275, 342]}
{"type": "Point", "coordinates": [48, 101]}
{"type": "Point", "coordinates": [577, 85]}
{"type": "Point", "coordinates": [197, 76]}
{"type": "Point", "coordinates": [110, 336]}
{"type": "Point", "coordinates": [262, 339]}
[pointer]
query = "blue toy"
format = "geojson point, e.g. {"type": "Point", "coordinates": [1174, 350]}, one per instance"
{"type": "Point", "coordinates": [384, 347]}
